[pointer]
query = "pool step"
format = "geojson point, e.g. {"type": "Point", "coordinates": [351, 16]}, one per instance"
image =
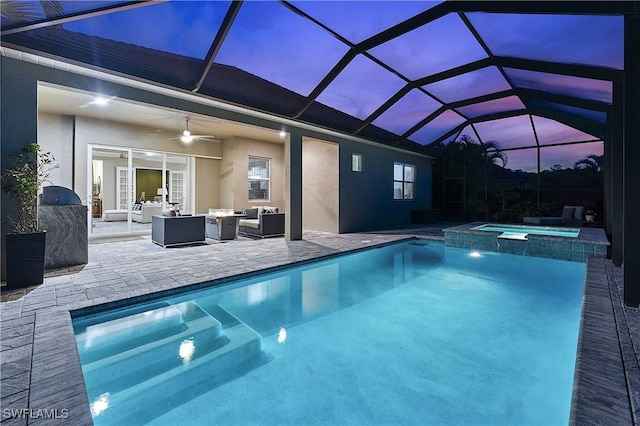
{"type": "Point", "coordinates": [138, 364]}
{"type": "Point", "coordinates": [150, 398]}
{"type": "Point", "coordinates": [121, 334]}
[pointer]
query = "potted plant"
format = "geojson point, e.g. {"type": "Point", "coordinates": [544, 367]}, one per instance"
{"type": "Point", "coordinates": [25, 246]}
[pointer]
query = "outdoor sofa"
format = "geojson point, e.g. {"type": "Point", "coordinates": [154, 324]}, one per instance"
{"type": "Point", "coordinates": [140, 212]}
{"type": "Point", "coordinates": [262, 221]}
{"type": "Point", "coordinates": [571, 216]}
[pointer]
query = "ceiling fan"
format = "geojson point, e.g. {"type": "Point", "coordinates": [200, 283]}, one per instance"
{"type": "Point", "coordinates": [188, 137]}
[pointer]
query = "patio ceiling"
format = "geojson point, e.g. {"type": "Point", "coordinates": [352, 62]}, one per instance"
{"type": "Point", "coordinates": [408, 74]}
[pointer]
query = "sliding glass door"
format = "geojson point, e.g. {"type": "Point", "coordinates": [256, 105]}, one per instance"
{"type": "Point", "coordinates": [109, 187]}
{"type": "Point", "coordinates": [127, 187]}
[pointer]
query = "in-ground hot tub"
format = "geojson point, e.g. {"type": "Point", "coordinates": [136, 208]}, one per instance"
{"type": "Point", "coordinates": [520, 232]}
{"type": "Point", "coordinates": [575, 244]}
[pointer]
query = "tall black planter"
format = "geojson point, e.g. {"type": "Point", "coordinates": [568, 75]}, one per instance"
{"type": "Point", "coordinates": [25, 259]}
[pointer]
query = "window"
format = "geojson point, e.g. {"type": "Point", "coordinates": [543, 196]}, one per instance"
{"type": "Point", "coordinates": [403, 180]}
{"type": "Point", "coordinates": [356, 162]}
{"type": "Point", "coordinates": [258, 179]}
{"type": "Point", "coordinates": [177, 192]}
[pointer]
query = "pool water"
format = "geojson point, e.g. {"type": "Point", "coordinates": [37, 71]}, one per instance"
{"type": "Point", "coordinates": [521, 231]}
{"type": "Point", "coordinates": [409, 333]}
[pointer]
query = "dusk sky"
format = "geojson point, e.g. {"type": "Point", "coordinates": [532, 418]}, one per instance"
{"type": "Point", "coordinates": [271, 41]}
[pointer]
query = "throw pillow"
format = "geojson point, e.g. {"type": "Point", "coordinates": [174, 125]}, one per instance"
{"type": "Point", "coordinates": [251, 213]}
{"type": "Point", "coordinates": [567, 212]}
{"type": "Point", "coordinates": [579, 213]}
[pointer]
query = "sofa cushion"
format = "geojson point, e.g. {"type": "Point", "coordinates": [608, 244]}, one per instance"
{"type": "Point", "coordinates": [249, 223]}
{"type": "Point", "coordinates": [251, 213]}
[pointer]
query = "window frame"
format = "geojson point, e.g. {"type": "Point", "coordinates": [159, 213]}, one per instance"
{"type": "Point", "coordinates": [404, 183]}
{"type": "Point", "coordinates": [359, 164]}
{"type": "Point", "coordinates": [256, 178]}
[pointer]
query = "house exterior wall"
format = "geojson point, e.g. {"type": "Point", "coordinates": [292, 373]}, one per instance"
{"type": "Point", "coordinates": [55, 134]}
{"type": "Point", "coordinates": [366, 198]}
{"type": "Point", "coordinates": [207, 185]}
{"type": "Point", "coordinates": [320, 183]}
{"type": "Point", "coordinates": [235, 162]}
{"type": "Point", "coordinates": [227, 182]}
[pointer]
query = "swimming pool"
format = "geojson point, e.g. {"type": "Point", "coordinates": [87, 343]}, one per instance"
{"type": "Point", "coordinates": [521, 231]}
{"type": "Point", "coordinates": [408, 333]}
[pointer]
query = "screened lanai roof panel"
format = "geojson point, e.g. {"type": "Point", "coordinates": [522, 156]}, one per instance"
{"type": "Point", "coordinates": [185, 28]}
{"type": "Point", "coordinates": [574, 39]}
{"type": "Point", "coordinates": [470, 132]}
{"type": "Point", "coordinates": [407, 112]}
{"type": "Point", "coordinates": [22, 12]}
{"type": "Point", "coordinates": [578, 112]}
{"type": "Point", "coordinates": [512, 132]}
{"type": "Point", "coordinates": [579, 87]}
{"type": "Point", "coordinates": [566, 156]}
{"type": "Point", "coordinates": [358, 20]}
{"type": "Point", "coordinates": [271, 41]}
{"type": "Point", "coordinates": [552, 132]}
{"type": "Point", "coordinates": [361, 88]}
{"type": "Point", "coordinates": [434, 47]}
{"type": "Point", "coordinates": [438, 127]}
{"type": "Point", "coordinates": [509, 103]}
{"type": "Point", "coordinates": [522, 159]}
{"type": "Point", "coordinates": [469, 85]}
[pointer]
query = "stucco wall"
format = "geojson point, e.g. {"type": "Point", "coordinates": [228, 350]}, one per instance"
{"type": "Point", "coordinates": [207, 194]}
{"type": "Point", "coordinates": [320, 186]}
{"type": "Point", "coordinates": [366, 198]}
{"type": "Point", "coordinates": [235, 168]}
{"type": "Point", "coordinates": [55, 135]}
{"type": "Point", "coordinates": [227, 182]}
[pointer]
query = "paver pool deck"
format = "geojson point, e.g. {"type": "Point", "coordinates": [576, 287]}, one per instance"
{"type": "Point", "coordinates": [40, 369]}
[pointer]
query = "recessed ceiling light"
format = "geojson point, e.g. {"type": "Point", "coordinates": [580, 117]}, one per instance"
{"type": "Point", "coordinates": [101, 100]}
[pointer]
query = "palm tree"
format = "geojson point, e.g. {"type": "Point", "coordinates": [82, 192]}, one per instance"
{"type": "Point", "coordinates": [493, 152]}
{"type": "Point", "coordinates": [591, 162]}
{"type": "Point", "coordinates": [476, 160]}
